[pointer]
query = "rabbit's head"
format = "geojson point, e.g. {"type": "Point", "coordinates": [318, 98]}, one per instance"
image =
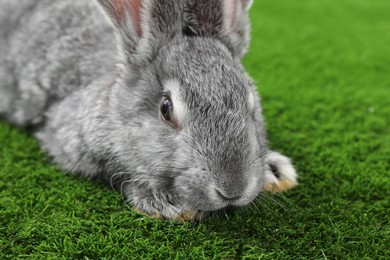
{"type": "Point", "coordinates": [183, 119]}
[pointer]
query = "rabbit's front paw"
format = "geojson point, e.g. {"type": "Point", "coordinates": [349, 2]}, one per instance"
{"type": "Point", "coordinates": [161, 205]}
{"type": "Point", "coordinates": [280, 175]}
{"type": "Point", "coordinates": [191, 216]}
{"type": "Point", "coordinates": [187, 216]}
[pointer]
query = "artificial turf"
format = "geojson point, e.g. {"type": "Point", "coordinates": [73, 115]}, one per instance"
{"type": "Point", "coordinates": [323, 70]}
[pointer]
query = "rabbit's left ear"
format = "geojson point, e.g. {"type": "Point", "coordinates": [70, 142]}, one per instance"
{"type": "Point", "coordinates": [143, 25]}
{"type": "Point", "coordinates": [226, 20]}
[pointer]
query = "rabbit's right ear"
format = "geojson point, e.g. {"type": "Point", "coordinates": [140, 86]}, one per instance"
{"type": "Point", "coordinates": [125, 15]}
{"type": "Point", "coordinates": [143, 25]}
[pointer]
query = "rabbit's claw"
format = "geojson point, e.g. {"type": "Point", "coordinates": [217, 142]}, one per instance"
{"type": "Point", "coordinates": [281, 175]}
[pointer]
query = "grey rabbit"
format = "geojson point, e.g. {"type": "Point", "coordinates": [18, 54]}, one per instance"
{"type": "Point", "coordinates": [149, 95]}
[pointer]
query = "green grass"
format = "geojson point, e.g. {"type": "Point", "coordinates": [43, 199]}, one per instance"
{"type": "Point", "coordinates": [323, 70]}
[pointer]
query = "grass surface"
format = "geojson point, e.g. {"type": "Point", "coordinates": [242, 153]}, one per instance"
{"type": "Point", "coordinates": [323, 70]}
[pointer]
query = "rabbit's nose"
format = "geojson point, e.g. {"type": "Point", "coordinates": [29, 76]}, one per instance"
{"type": "Point", "coordinates": [225, 196]}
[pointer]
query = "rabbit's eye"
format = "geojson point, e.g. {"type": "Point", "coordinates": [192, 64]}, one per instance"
{"type": "Point", "coordinates": [167, 109]}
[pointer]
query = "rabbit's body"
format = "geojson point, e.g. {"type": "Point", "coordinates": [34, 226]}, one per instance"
{"type": "Point", "coordinates": [50, 66]}
{"type": "Point", "coordinates": [153, 99]}
{"type": "Point", "coordinates": [44, 58]}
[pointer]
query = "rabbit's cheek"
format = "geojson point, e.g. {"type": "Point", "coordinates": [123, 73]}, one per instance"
{"type": "Point", "coordinates": [196, 195]}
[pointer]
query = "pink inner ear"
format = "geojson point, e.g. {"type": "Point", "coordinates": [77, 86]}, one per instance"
{"type": "Point", "coordinates": [230, 13]}
{"type": "Point", "coordinates": [118, 6]}
{"type": "Point", "coordinates": [134, 8]}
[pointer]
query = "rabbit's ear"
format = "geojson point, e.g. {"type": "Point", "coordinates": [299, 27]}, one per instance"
{"type": "Point", "coordinates": [233, 11]}
{"type": "Point", "coordinates": [143, 25]}
{"type": "Point", "coordinates": [247, 4]}
{"type": "Point", "coordinates": [226, 20]}
{"type": "Point", "coordinates": [125, 15]}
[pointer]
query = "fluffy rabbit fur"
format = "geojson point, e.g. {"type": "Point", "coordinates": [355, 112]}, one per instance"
{"type": "Point", "coordinates": [149, 95]}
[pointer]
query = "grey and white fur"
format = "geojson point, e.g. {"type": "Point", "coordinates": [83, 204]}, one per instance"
{"type": "Point", "coordinates": [91, 77]}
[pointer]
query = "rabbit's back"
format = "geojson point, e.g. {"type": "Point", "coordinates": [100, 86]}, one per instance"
{"type": "Point", "coordinates": [48, 50]}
